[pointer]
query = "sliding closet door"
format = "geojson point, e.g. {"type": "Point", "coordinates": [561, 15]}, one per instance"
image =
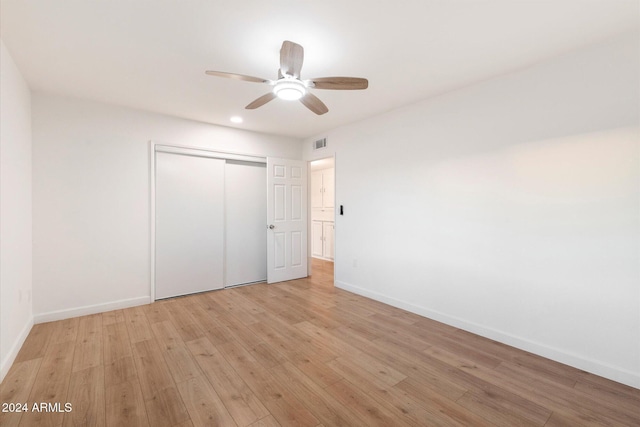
{"type": "Point", "coordinates": [189, 224]}
{"type": "Point", "coordinates": [246, 221]}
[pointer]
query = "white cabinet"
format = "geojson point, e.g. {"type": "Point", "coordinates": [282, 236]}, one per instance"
{"type": "Point", "coordinates": [322, 239]}
{"type": "Point", "coordinates": [317, 246]}
{"type": "Point", "coordinates": [327, 236]}
{"type": "Point", "coordinates": [322, 188]}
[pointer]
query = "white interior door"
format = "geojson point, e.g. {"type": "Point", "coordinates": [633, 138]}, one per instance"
{"type": "Point", "coordinates": [286, 219]}
{"type": "Point", "coordinates": [189, 236]}
{"type": "Point", "coordinates": [245, 213]}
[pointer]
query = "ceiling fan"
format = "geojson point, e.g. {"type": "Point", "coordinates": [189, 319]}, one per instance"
{"type": "Point", "coordinates": [290, 86]}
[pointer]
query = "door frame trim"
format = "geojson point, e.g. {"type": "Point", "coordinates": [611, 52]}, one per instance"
{"type": "Point", "coordinates": [156, 146]}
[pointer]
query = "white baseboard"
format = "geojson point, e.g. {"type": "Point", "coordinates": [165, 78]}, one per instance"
{"type": "Point", "coordinates": [90, 309]}
{"type": "Point", "coordinates": [593, 366]}
{"type": "Point", "coordinates": [15, 348]}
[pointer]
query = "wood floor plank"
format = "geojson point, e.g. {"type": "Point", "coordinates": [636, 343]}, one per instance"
{"type": "Point", "coordinates": [267, 355]}
{"type": "Point", "coordinates": [36, 343]}
{"type": "Point", "coordinates": [153, 372]}
{"type": "Point", "coordinates": [165, 408]}
{"type": "Point", "coordinates": [157, 312]}
{"type": "Point", "coordinates": [119, 371]}
{"type": "Point", "coordinates": [51, 384]}
{"type": "Point", "coordinates": [182, 320]}
{"type": "Point", "coordinates": [494, 400]}
{"type": "Point", "coordinates": [88, 354]}
{"type": "Point", "coordinates": [625, 397]}
{"type": "Point", "coordinates": [489, 408]}
{"type": "Point", "coordinates": [231, 328]}
{"type": "Point", "coordinates": [395, 401]}
{"type": "Point", "coordinates": [111, 317]}
{"type": "Point", "coordinates": [181, 364]}
{"type": "Point", "coordinates": [382, 372]}
{"type": "Point", "coordinates": [206, 320]}
{"type": "Point", "coordinates": [366, 407]}
{"type": "Point", "coordinates": [320, 402]}
{"type": "Point", "coordinates": [291, 338]}
{"type": "Point", "coordinates": [116, 342]}
{"type": "Point", "coordinates": [241, 402]}
{"type": "Point", "coordinates": [166, 335]}
{"type": "Point", "coordinates": [353, 372]}
{"type": "Point", "coordinates": [125, 405]}
{"type": "Point", "coordinates": [267, 421]}
{"type": "Point", "coordinates": [438, 404]}
{"type": "Point", "coordinates": [90, 328]}
{"type": "Point", "coordinates": [546, 395]}
{"type": "Point", "coordinates": [65, 330]}
{"type": "Point", "coordinates": [137, 325]}
{"type": "Point", "coordinates": [87, 395]}
{"type": "Point", "coordinates": [407, 363]}
{"type": "Point", "coordinates": [16, 387]}
{"type": "Point", "coordinates": [203, 404]}
{"type": "Point", "coordinates": [282, 404]}
{"type": "Point", "coordinates": [580, 402]}
{"type": "Point", "coordinates": [317, 371]}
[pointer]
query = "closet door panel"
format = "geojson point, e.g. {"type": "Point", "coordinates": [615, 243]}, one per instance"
{"type": "Point", "coordinates": [246, 221]}
{"type": "Point", "coordinates": [189, 224]}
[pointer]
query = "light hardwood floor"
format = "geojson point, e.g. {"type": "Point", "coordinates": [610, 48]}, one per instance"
{"type": "Point", "coordinates": [294, 353]}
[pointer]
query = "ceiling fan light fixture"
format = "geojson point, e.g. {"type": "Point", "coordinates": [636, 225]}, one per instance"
{"type": "Point", "coordinates": [289, 89]}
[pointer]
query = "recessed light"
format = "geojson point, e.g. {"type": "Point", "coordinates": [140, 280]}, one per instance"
{"type": "Point", "coordinates": [236, 119]}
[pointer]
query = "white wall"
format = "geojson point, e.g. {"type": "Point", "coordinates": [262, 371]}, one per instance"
{"type": "Point", "coordinates": [16, 316]}
{"type": "Point", "coordinates": [91, 220]}
{"type": "Point", "coordinates": [510, 208]}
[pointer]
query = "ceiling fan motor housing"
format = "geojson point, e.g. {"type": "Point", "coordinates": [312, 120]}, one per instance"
{"type": "Point", "coordinates": [289, 88]}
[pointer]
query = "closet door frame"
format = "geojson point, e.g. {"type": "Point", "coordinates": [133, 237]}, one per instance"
{"type": "Point", "coordinates": [155, 146]}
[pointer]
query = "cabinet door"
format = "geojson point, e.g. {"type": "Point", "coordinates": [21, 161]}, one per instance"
{"type": "Point", "coordinates": [316, 238]}
{"type": "Point", "coordinates": [328, 185]}
{"type": "Point", "coordinates": [327, 231]}
{"type": "Point", "coordinates": [316, 189]}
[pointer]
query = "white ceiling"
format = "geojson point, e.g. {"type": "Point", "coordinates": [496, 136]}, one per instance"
{"type": "Point", "coordinates": [152, 54]}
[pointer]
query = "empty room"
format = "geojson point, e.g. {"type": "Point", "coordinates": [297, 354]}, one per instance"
{"type": "Point", "coordinates": [337, 213]}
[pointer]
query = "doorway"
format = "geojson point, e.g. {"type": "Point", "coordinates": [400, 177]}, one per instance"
{"type": "Point", "coordinates": [322, 230]}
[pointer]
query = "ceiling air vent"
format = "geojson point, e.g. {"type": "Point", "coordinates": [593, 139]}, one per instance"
{"type": "Point", "coordinates": [321, 143]}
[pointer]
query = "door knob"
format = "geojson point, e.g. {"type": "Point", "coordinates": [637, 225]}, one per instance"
{"type": "Point", "coordinates": [271, 227]}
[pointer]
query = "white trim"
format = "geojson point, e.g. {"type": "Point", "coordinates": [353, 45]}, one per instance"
{"type": "Point", "coordinates": [577, 361]}
{"type": "Point", "coordinates": [15, 349]}
{"type": "Point", "coordinates": [199, 152]}
{"type": "Point", "coordinates": [152, 220]}
{"type": "Point", "coordinates": [90, 309]}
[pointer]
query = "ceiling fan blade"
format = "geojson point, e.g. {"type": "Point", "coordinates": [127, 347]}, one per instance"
{"type": "Point", "coordinates": [261, 101]}
{"type": "Point", "coordinates": [340, 83]}
{"type": "Point", "coordinates": [314, 104]}
{"type": "Point", "coordinates": [237, 76]}
{"type": "Point", "coordinates": [291, 58]}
